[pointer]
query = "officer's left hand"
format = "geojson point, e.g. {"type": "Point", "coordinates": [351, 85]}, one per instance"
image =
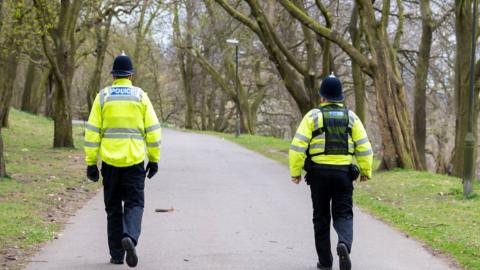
{"type": "Point", "coordinates": [363, 178]}
{"type": "Point", "coordinates": [152, 169]}
{"type": "Point", "coordinates": [92, 173]}
{"type": "Point", "coordinates": [296, 179]}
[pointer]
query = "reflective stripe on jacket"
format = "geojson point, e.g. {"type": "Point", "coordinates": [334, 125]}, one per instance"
{"type": "Point", "coordinates": [121, 125]}
{"type": "Point", "coordinates": [358, 142]}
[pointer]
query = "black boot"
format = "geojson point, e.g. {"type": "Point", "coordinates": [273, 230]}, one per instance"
{"type": "Point", "coordinates": [343, 257]}
{"type": "Point", "coordinates": [116, 261]}
{"type": "Point", "coordinates": [319, 266]}
{"type": "Point", "coordinates": [132, 259]}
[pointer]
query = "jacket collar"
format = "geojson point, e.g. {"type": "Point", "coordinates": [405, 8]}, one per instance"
{"type": "Point", "coordinates": [332, 103]}
{"type": "Point", "coordinates": [122, 81]}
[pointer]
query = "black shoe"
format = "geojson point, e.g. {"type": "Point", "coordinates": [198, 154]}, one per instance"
{"type": "Point", "coordinates": [343, 257]}
{"type": "Point", "coordinates": [129, 247]}
{"type": "Point", "coordinates": [319, 266]}
{"type": "Point", "coordinates": [116, 261]}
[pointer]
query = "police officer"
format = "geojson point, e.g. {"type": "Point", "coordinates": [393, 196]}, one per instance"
{"type": "Point", "coordinates": [121, 125]}
{"type": "Point", "coordinates": [324, 146]}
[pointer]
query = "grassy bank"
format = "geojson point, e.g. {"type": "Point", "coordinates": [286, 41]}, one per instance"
{"type": "Point", "coordinates": [44, 187]}
{"type": "Point", "coordinates": [425, 206]}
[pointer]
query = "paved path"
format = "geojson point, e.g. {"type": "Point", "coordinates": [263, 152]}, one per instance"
{"type": "Point", "coordinates": [234, 209]}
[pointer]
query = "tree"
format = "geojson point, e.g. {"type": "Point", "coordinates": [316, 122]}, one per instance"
{"type": "Point", "coordinates": [355, 30]}
{"type": "Point", "coordinates": [105, 13]}
{"type": "Point", "coordinates": [142, 30]}
{"type": "Point", "coordinates": [299, 72]}
{"type": "Point", "coordinates": [13, 41]}
{"type": "Point", "coordinates": [3, 171]}
{"type": "Point", "coordinates": [463, 32]}
{"type": "Point", "coordinates": [184, 58]}
{"type": "Point", "coordinates": [399, 149]}
{"type": "Point", "coordinates": [59, 40]}
{"type": "Point", "coordinates": [429, 25]}
{"type": "Point", "coordinates": [9, 58]}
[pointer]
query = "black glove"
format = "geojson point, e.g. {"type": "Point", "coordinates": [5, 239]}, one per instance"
{"type": "Point", "coordinates": [92, 173]}
{"type": "Point", "coordinates": [152, 169]}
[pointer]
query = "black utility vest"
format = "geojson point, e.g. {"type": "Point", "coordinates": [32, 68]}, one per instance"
{"type": "Point", "coordinates": [336, 128]}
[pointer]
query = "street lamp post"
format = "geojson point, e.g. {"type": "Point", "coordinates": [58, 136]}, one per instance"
{"type": "Point", "coordinates": [235, 42]}
{"type": "Point", "coordinates": [469, 162]}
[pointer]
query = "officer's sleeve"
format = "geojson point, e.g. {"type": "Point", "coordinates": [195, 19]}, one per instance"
{"type": "Point", "coordinates": [93, 133]}
{"type": "Point", "coordinates": [153, 133]}
{"type": "Point", "coordinates": [363, 148]}
{"type": "Point", "coordinates": [299, 145]}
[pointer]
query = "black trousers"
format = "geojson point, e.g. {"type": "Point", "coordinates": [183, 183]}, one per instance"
{"type": "Point", "coordinates": [123, 185]}
{"type": "Point", "coordinates": [331, 198]}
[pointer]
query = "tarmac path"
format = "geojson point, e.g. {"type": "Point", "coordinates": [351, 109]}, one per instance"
{"type": "Point", "coordinates": [234, 209]}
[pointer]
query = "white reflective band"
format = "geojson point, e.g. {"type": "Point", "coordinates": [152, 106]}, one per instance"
{"type": "Point", "coordinates": [92, 144]}
{"type": "Point", "coordinates": [314, 116]}
{"type": "Point", "coordinates": [102, 96]}
{"type": "Point", "coordinates": [92, 128]}
{"type": "Point", "coordinates": [364, 153]}
{"type": "Point", "coordinates": [361, 141]}
{"type": "Point", "coordinates": [130, 98]}
{"type": "Point", "coordinates": [123, 130]}
{"type": "Point", "coordinates": [152, 128]}
{"type": "Point", "coordinates": [319, 137]}
{"type": "Point", "coordinates": [351, 146]}
{"type": "Point", "coordinates": [298, 148]}
{"type": "Point", "coordinates": [302, 137]}
{"type": "Point", "coordinates": [154, 144]}
{"type": "Point", "coordinates": [140, 93]}
{"type": "Point", "coordinates": [317, 146]}
{"type": "Point", "coordinates": [123, 136]}
{"type": "Point", "coordinates": [351, 119]}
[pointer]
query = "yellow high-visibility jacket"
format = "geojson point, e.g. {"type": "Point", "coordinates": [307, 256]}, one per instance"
{"type": "Point", "coordinates": [358, 142]}
{"type": "Point", "coordinates": [121, 125]}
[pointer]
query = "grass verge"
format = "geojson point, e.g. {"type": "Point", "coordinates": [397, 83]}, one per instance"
{"type": "Point", "coordinates": [45, 186]}
{"type": "Point", "coordinates": [425, 206]}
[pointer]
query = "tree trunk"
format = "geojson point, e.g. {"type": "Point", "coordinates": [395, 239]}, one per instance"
{"type": "Point", "coordinates": [421, 74]}
{"type": "Point", "coordinates": [49, 95]}
{"type": "Point", "coordinates": [38, 92]}
{"type": "Point", "coordinates": [60, 52]}
{"type": "Point", "coordinates": [357, 75]}
{"type": "Point", "coordinates": [63, 135]}
{"type": "Point", "coordinates": [463, 32]}
{"type": "Point", "coordinates": [7, 83]}
{"type": "Point", "coordinates": [185, 60]}
{"type": "Point", "coordinates": [62, 117]}
{"type": "Point", "coordinates": [399, 150]}
{"type": "Point", "coordinates": [142, 29]}
{"type": "Point", "coordinates": [29, 88]}
{"type": "Point", "coordinates": [3, 171]}
{"type": "Point", "coordinates": [101, 49]}
{"type": "Point", "coordinates": [189, 67]}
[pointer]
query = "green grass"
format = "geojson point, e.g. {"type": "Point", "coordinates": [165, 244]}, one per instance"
{"type": "Point", "coordinates": [44, 186]}
{"type": "Point", "coordinates": [426, 206]}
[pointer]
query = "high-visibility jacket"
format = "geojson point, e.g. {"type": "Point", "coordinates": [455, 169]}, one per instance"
{"type": "Point", "coordinates": [121, 125]}
{"type": "Point", "coordinates": [358, 144]}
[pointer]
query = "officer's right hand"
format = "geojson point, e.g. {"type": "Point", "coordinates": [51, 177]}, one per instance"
{"type": "Point", "coordinates": [363, 178]}
{"type": "Point", "coordinates": [152, 169]}
{"type": "Point", "coordinates": [296, 179]}
{"type": "Point", "coordinates": [92, 173]}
